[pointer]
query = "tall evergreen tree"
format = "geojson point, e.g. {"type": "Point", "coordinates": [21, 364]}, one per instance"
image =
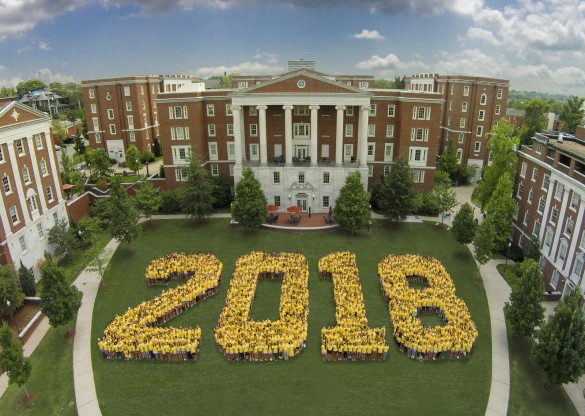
{"type": "Point", "coordinates": [133, 161]}
{"type": "Point", "coordinates": [198, 196]}
{"type": "Point", "coordinates": [464, 225]}
{"type": "Point", "coordinates": [147, 199]}
{"type": "Point", "coordinates": [12, 359]}
{"type": "Point", "coordinates": [27, 281]}
{"type": "Point", "coordinates": [560, 347]}
{"type": "Point", "coordinates": [59, 299]}
{"type": "Point", "coordinates": [525, 310]}
{"type": "Point", "coordinates": [352, 206]}
{"type": "Point", "coordinates": [9, 290]}
{"type": "Point", "coordinates": [124, 216]}
{"type": "Point", "coordinates": [483, 241]}
{"type": "Point", "coordinates": [398, 195]}
{"type": "Point", "coordinates": [448, 162]}
{"type": "Point", "coordinates": [500, 210]}
{"type": "Point", "coordinates": [249, 206]}
{"type": "Point", "coordinates": [572, 114]}
{"type": "Point", "coordinates": [445, 200]}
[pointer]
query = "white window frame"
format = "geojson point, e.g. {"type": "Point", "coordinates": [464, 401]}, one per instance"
{"type": "Point", "coordinates": [466, 90]}
{"type": "Point", "coordinates": [19, 147]}
{"type": "Point", "coordinates": [391, 110]}
{"type": "Point", "coordinates": [523, 169]}
{"type": "Point", "coordinates": [389, 131]}
{"type": "Point", "coordinates": [326, 178]}
{"type": "Point", "coordinates": [23, 243]}
{"type": "Point", "coordinates": [301, 130]}
{"type": "Point", "coordinates": [349, 111]}
{"type": "Point", "coordinates": [559, 191]}
{"type": "Point", "coordinates": [477, 147]}
{"type": "Point", "coordinates": [110, 113]}
{"type": "Point", "coordinates": [534, 174]}
{"type": "Point", "coordinates": [462, 123]}
{"type": "Point", "coordinates": [91, 93]}
{"type": "Point", "coordinates": [464, 107]}
{"type": "Point", "coordinates": [371, 130]}
{"type": "Point", "coordinates": [349, 130]}
{"type": "Point", "coordinates": [253, 130]}
{"type": "Point", "coordinates": [417, 156]}
{"type": "Point", "coordinates": [25, 175]}
{"type": "Point", "coordinates": [13, 212]}
{"type": "Point", "coordinates": [545, 182]}
{"type": "Point", "coordinates": [49, 194]}
{"type": "Point", "coordinates": [230, 129]}
{"type": "Point", "coordinates": [43, 165]}
{"type": "Point", "coordinates": [213, 151]}
{"type": "Point", "coordinates": [373, 108]}
{"type": "Point", "coordinates": [481, 115]}
{"type": "Point", "coordinates": [276, 177]}
{"type": "Point", "coordinates": [325, 201]}
{"type": "Point", "coordinates": [388, 152]}
{"type": "Point", "coordinates": [479, 131]}
{"type": "Point", "coordinates": [126, 90]}
{"type": "Point", "coordinates": [112, 128]}
{"type": "Point", "coordinates": [214, 169]}
{"type": "Point", "coordinates": [128, 105]}
{"type": "Point", "coordinates": [228, 110]}
{"type": "Point", "coordinates": [541, 205]}
{"type": "Point", "coordinates": [575, 198]}
{"type": "Point", "coordinates": [211, 131]}
{"type": "Point", "coordinates": [210, 109]}
{"type": "Point", "coordinates": [498, 109]}
{"type": "Point", "coordinates": [483, 99]}
{"type": "Point", "coordinates": [231, 150]}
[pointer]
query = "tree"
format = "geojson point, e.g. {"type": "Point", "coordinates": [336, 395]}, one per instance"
{"type": "Point", "coordinates": [146, 156]}
{"type": "Point", "coordinates": [483, 241]}
{"type": "Point", "coordinates": [560, 347]}
{"type": "Point", "coordinates": [27, 281]}
{"type": "Point", "coordinates": [12, 359]}
{"type": "Point", "coordinates": [525, 310]}
{"type": "Point", "coordinates": [397, 193]}
{"type": "Point", "coordinates": [79, 145]}
{"type": "Point", "coordinates": [352, 206]}
{"type": "Point", "coordinates": [99, 161]}
{"type": "Point", "coordinates": [222, 192]}
{"type": "Point", "coordinates": [124, 216]}
{"type": "Point", "coordinates": [501, 143]}
{"type": "Point", "coordinates": [198, 196]}
{"type": "Point", "coordinates": [62, 238]}
{"type": "Point", "coordinates": [133, 158]}
{"type": "Point", "coordinates": [90, 228]}
{"type": "Point", "coordinates": [500, 210]}
{"type": "Point", "coordinates": [156, 148]}
{"type": "Point", "coordinates": [25, 87]}
{"type": "Point", "coordinates": [58, 130]}
{"type": "Point", "coordinates": [572, 114]}
{"type": "Point", "coordinates": [448, 162]}
{"type": "Point", "coordinates": [249, 206]}
{"type": "Point", "coordinates": [9, 290]}
{"type": "Point", "coordinates": [147, 199]}
{"type": "Point", "coordinates": [532, 248]}
{"type": "Point", "coordinates": [534, 119]}
{"type": "Point", "coordinates": [7, 92]}
{"type": "Point", "coordinates": [59, 299]}
{"type": "Point", "coordinates": [464, 225]}
{"type": "Point", "coordinates": [98, 260]}
{"type": "Point", "coordinates": [66, 167]}
{"type": "Point", "coordinates": [445, 199]}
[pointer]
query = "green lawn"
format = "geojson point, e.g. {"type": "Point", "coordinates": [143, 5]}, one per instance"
{"type": "Point", "coordinates": [304, 385]}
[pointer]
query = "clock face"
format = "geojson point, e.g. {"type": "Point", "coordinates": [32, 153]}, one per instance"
{"type": "Point", "coordinates": [301, 83]}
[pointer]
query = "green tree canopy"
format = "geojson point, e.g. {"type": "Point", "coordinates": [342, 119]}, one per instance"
{"type": "Point", "coordinates": [59, 300]}
{"type": "Point", "coordinates": [27, 281]}
{"type": "Point", "coordinates": [198, 196]}
{"type": "Point", "coordinates": [124, 216]}
{"type": "Point", "coordinates": [397, 192]}
{"type": "Point", "coordinates": [58, 130]}
{"type": "Point", "coordinates": [525, 310]}
{"type": "Point", "coordinates": [99, 162]}
{"type": "Point", "coordinates": [445, 200]}
{"type": "Point", "coordinates": [133, 158]}
{"type": "Point", "coordinates": [9, 290]}
{"type": "Point", "coordinates": [25, 87]}
{"type": "Point", "coordinates": [249, 206]}
{"type": "Point", "coordinates": [464, 225]}
{"type": "Point", "coordinates": [534, 119]}
{"type": "Point", "coordinates": [483, 241]}
{"type": "Point", "coordinates": [560, 347]}
{"type": "Point", "coordinates": [147, 199]}
{"type": "Point", "coordinates": [6, 92]}
{"type": "Point", "coordinates": [448, 162]}
{"type": "Point", "coordinates": [66, 167]}
{"type": "Point", "coordinates": [352, 206]}
{"type": "Point", "coordinates": [12, 359]}
{"type": "Point", "coordinates": [62, 238]}
{"type": "Point", "coordinates": [91, 227]}
{"type": "Point", "coordinates": [572, 114]}
{"type": "Point", "coordinates": [500, 210]}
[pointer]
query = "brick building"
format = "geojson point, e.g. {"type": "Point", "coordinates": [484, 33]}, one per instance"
{"type": "Point", "coordinates": [472, 105]}
{"type": "Point", "coordinates": [550, 185]}
{"type": "Point", "coordinates": [32, 197]}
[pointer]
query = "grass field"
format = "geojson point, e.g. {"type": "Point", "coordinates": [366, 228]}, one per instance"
{"type": "Point", "coordinates": [304, 385]}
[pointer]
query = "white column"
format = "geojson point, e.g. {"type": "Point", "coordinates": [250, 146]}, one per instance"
{"type": "Point", "coordinates": [236, 109]}
{"type": "Point", "coordinates": [53, 166]}
{"type": "Point", "coordinates": [314, 109]}
{"type": "Point", "coordinates": [288, 148]}
{"type": "Point", "coordinates": [263, 149]}
{"type": "Point", "coordinates": [339, 136]}
{"type": "Point", "coordinates": [560, 221]}
{"type": "Point", "coordinates": [17, 182]}
{"type": "Point", "coordinates": [243, 133]}
{"type": "Point", "coordinates": [363, 135]}
{"type": "Point", "coordinates": [36, 172]}
{"type": "Point", "coordinates": [575, 239]}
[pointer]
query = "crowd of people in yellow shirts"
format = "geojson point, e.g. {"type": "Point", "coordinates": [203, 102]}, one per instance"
{"type": "Point", "coordinates": [175, 266]}
{"type": "Point", "coordinates": [239, 338]}
{"type": "Point", "coordinates": [455, 338]}
{"type": "Point", "coordinates": [351, 339]}
{"type": "Point", "coordinates": [136, 335]}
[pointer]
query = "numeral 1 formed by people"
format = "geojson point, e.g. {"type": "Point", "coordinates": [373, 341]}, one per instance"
{"type": "Point", "coordinates": [136, 334]}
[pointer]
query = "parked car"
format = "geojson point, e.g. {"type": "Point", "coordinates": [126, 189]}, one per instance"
{"type": "Point", "coordinates": [69, 140]}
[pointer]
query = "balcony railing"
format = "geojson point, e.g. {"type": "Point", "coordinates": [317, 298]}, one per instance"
{"type": "Point", "coordinates": [298, 162]}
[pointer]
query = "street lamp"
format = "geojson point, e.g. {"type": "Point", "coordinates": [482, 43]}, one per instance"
{"type": "Point", "coordinates": [507, 254]}
{"type": "Point", "coordinates": [147, 172]}
{"type": "Point", "coordinates": [12, 316]}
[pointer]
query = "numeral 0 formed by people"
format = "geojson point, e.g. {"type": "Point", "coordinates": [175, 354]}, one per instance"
{"type": "Point", "coordinates": [136, 334]}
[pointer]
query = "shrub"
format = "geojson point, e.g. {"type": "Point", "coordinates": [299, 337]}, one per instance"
{"type": "Point", "coordinates": [171, 201]}
{"type": "Point", "coordinates": [102, 184]}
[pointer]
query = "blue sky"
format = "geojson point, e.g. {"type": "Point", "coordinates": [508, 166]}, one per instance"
{"type": "Point", "coordinates": [537, 45]}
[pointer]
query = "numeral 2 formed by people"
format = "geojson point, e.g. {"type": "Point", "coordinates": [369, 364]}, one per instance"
{"type": "Point", "coordinates": [136, 334]}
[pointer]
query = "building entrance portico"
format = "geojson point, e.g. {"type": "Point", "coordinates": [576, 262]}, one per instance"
{"type": "Point", "coordinates": [301, 201]}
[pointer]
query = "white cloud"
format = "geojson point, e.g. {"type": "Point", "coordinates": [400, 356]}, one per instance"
{"type": "Point", "coordinates": [47, 76]}
{"type": "Point", "coordinates": [476, 33]}
{"type": "Point", "coordinates": [44, 46]}
{"type": "Point", "coordinates": [391, 64]}
{"type": "Point", "coordinates": [368, 34]}
{"type": "Point", "coordinates": [243, 68]}
{"type": "Point", "coordinates": [268, 57]}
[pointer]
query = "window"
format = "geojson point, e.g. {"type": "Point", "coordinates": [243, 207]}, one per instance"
{"type": "Point", "coordinates": [13, 214]}
{"type": "Point", "coordinates": [545, 182]}
{"type": "Point", "coordinates": [483, 99]}
{"type": "Point", "coordinates": [530, 196]}
{"type": "Point", "coordinates": [516, 211]}
{"type": "Point", "coordinates": [363, 84]}
{"type": "Point", "coordinates": [390, 130]}
{"type": "Point", "coordinates": [348, 130]}
{"type": "Point", "coordinates": [98, 138]}
{"type": "Point", "coordinates": [520, 190]}
{"type": "Point", "coordinates": [277, 200]}
{"type": "Point", "coordinates": [370, 170]}
{"type": "Point", "coordinates": [538, 148]}
{"type": "Point", "coordinates": [523, 170]}
{"type": "Point", "coordinates": [25, 175]}
{"type": "Point", "coordinates": [548, 237]}
{"type": "Point", "coordinates": [460, 138]}
{"type": "Point", "coordinates": [19, 147]}
{"type": "Point", "coordinates": [499, 93]}
{"type": "Point", "coordinates": [232, 167]}
{"type": "Point", "coordinates": [466, 90]}
{"type": "Point", "coordinates": [214, 169]}
{"type": "Point", "coordinates": [276, 177]}
{"type": "Point", "coordinates": [128, 105]}
{"type": "Point", "coordinates": [132, 136]}
{"type": "Point", "coordinates": [210, 110]}
{"type": "Point", "coordinates": [526, 217]}
{"type": "Point", "coordinates": [6, 184]}
{"type": "Point", "coordinates": [130, 122]}
{"type": "Point", "coordinates": [536, 230]}
{"type": "Point", "coordinates": [371, 130]}
{"type": "Point", "coordinates": [23, 245]}
{"type": "Point", "coordinates": [464, 107]}
{"type": "Point", "coordinates": [541, 204]}
{"type": "Point", "coordinates": [418, 176]}
{"type": "Point", "coordinates": [388, 152]}
{"type": "Point", "coordinates": [243, 84]}
{"type": "Point", "coordinates": [349, 111]}
{"type": "Point", "coordinates": [253, 129]}
{"type": "Point", "coordinates": [178, 112]}
{"type": "Point", "coordinates": [462, 123]}
{"type": "Point", "coordinates": [563, 248]}
{"type": "Point", "coordinates": [477, 147]}
{"type": "Point", "coordinates": [49, 192]}
{"type": "Point", "coordinates": [127, 91]}
{"type": "Point", "coordinates": [40, 230]}
{"type": "Point", "coordinates": [44, 171]}
{"type": "Point", "coordinates": [391, 110]}
{"type": "Point", "coordinates": [252, 111]}
{"type": "Point", "coordinates": [230, 129]}
{"type": "Point", "coordinates": [479, 131]}
{"type": "Point", "coordinates": [418, 156]}
{"type": "Point", "coordinates": [110, 114]}
{"type": "Point", "coordinates": [534, 174]}
{"type": "Point", "coordinates": [181, 175]}
{"type": "Point", "coordinates": [554, 216]}
{"type": "Point", "coordinates": [569, 226]}
{"type": "Point", "coordinates": [302, 130]}
{"type": "Point", "coordinates": [1, 154]}
{"type": "Point", "coordinates": [459, 155]}
{"type": "Point", "coordinates": [371, 151]}
{"type": "Point", "coordinates": [498, 110]}
{"type": "Point", "coordinates": [325, 201]}
{"type": "Point", "coordinates": [38, 141]}
{"type": "Point", "coordinates": [301, 110]}
{"type": "Point", "coordinates": [481, 116]}
{"type": "Point", "coordinates": [212, 151]}
{"type": "Point", "coordinates": [373, 109]}
{"type": "Point", "coordinates": [575, 200]}
{"type": "Point", "coordinates": [112, 129]}
{"type": "Point", "coordinates": [32, 204]}
{"type": "Point", "coordinates": [301, 177]}
{"type": "Point", "coordinates": [143, 105]}
{"type": "Point", "coordinates": [228, 110]}
{"type": "Point", "coordinates": [231, 151]}
{"type": "Point", "coordinates": [386, 170]}
{"type": "Point", "coordinates": [559, 191]}
{"type": "Point", "coordinates": [96, 124]}
{"type": "Point", "coordinates": [211, 130]}
{"type": "Point", "coordinates": [91, 93]}
{"type": "Point", "coordinates": [326, 177]}
{"type": "Point", "coordinates": [555, 279]}
{"type": "Point", "coordinates": [181, 154]}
